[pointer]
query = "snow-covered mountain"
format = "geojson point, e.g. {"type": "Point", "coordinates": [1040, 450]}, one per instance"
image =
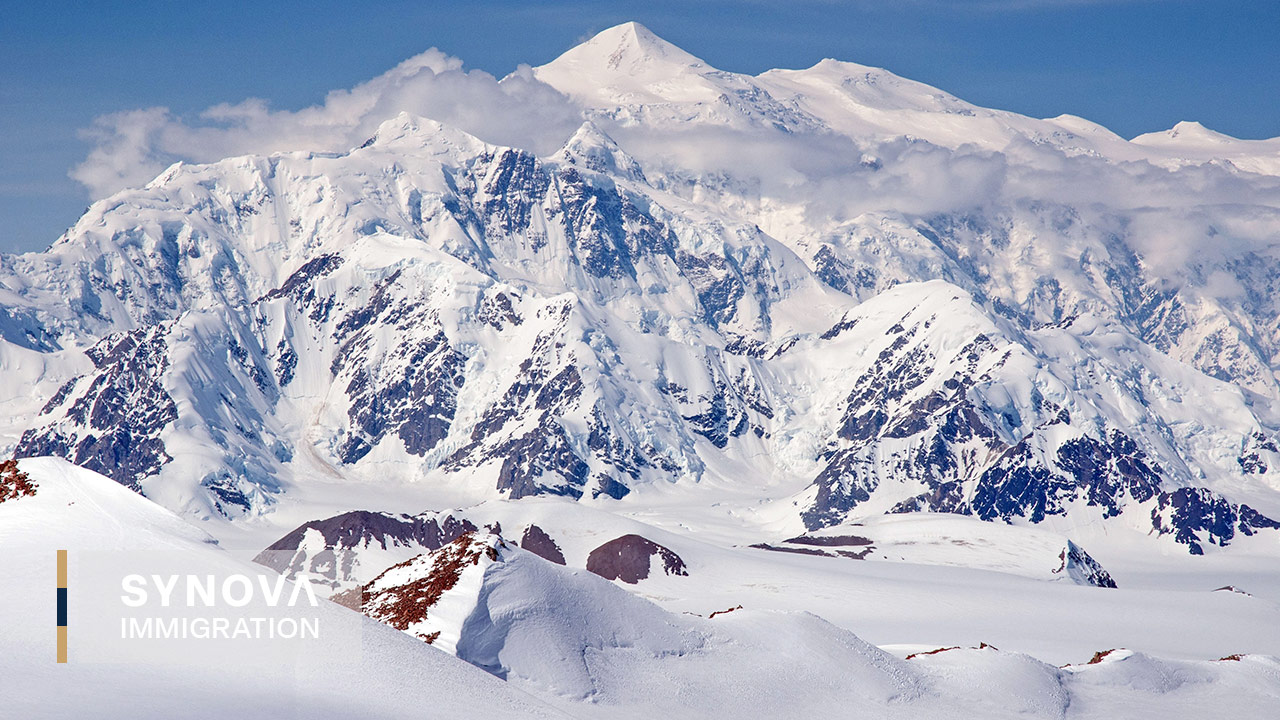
{"type": "Point", "coordinates": [833, 291]}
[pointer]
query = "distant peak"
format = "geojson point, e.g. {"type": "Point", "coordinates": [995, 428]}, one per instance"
{"type": "Point", "coordinates": [1187, 132]}
{"type": "Point", "coordinates": [834, 65]}
{"type": "Point", "coordinates": [626, 64]}
{"type": "Point", "coordinates": [408, 131]}
{"type": "Point", "coordinates": [626, 49]}
{"type": "Point", "coordinates": [1194, 129]}
{"type": "Point", "coordinates": [626, 45]}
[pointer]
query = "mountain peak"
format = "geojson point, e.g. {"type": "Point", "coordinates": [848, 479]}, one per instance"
{"type": "Point", "coordinates": [630, 47]}
{"type": "Point", "coordinates": [626, 63]}
{"type": "Point", "coordinates": [1185, 133]}
{"type": "Point", "coordinates": [407, 131]}
{"type": "Point", "coordinates": [595, 150]}
{"type": "Point", "coordinates": [1193, 129]}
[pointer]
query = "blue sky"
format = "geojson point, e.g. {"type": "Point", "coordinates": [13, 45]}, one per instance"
{"type": "Point", "coordinates": [1132, 65]}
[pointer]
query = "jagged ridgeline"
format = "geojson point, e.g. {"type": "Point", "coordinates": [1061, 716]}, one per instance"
{"type": "Point", "coordinates": [798, 304]}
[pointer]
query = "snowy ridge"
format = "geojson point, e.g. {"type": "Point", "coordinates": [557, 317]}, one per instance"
{"type": "Point", "coordinates": [592, 648]}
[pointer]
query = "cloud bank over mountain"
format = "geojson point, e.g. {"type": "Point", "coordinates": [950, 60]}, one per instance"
{"type": "Point", "coordinates": [130, 148]}
{"type": "Point", "coordinates": [1181, 202]}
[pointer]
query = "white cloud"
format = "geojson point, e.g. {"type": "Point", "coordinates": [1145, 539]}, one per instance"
{"type": "Point", "coordinates": [130, 148]}
{"type": "Point", "coordinates": [1170, 217]}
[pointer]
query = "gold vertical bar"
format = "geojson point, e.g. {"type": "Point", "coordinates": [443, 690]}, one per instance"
{"type": "Point", "coordinates": [62, 585]}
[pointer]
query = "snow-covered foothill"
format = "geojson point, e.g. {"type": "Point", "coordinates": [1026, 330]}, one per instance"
{"type": "Point", "coordinates": [385, 673]}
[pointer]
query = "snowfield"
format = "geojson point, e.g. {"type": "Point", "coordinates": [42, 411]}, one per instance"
{"type": "Point", "coordinates": [578, 642]}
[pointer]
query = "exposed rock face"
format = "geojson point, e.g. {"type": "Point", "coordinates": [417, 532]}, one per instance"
{"type": "Point", "coordinates": [405, 595]}
{"type": "Point", "coordinates": [409, 389]}
{"type": "Point", "coordinates": [930, 413]}
{"type": "Point", "coordinates": [537, 541]}
{"type": "Point", "coordinates": [1083, 569]}
{"type": "Point", "coordinates": [330, 550]}
{"type": "Point", "coordinates": [1189, 512]}
{"type": "Point", "coordinates": [630, 558]}
{"type": "Point", "coordinates": [111, 420]}
{"type": "Point", "coordinates": [14, 483]}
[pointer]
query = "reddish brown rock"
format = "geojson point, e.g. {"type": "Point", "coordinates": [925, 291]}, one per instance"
{"type": "Point", "coordinates": [13, 482]}
{"type": "Point", "coordinates": [629, 558]}
{"type": "Point", "coordinates": [1099, 656]}
{"type": "Point", "coordinates": [933, 652]}
{"type": "Point", "coordinates": [408, 604]}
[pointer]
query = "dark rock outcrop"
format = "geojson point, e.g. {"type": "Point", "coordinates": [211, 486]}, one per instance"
{"type": "Point", "coordinates": [344, 535]}
{"type": "Point", "coordinates": [110, 421]}
{"type": "Point", "coordinates": [1082, 568]}
{"type": "Point", "coordinates": [537, 541]}
{"type": "Point", "coordinates": [630, 557]}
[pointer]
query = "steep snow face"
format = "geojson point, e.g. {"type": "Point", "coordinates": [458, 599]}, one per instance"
{"type": "Point", "coordinates": [588, 286]}
{"type": "Point", "coordinates": [628, 64]}
{"type": "Point", "coordinates": [718, 279]}
{"type": "Point", "coordinates": [430, 596]}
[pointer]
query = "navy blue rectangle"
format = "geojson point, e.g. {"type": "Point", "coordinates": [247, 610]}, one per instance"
{"type": "Point", "coordinates": [62, 607]}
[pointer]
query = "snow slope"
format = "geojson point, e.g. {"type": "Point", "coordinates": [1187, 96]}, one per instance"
{"type": "Point", "coordinates": [598, 651]}
{"type": "Point", "coordinates": [386, 674]}
{"type": "Point", "coordinates": [917, 589]}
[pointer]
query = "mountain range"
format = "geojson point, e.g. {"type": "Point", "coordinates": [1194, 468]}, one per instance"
{"type": "Point", "coordinates": [1041, 320]}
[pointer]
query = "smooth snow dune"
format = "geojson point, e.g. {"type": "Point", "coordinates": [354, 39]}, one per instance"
{"type": "Point", "coordinates": [596, 650]}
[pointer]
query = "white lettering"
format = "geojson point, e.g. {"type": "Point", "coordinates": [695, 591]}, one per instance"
{"type": "Point", "coordinates": [134, 585]}
{"type": "Point", "coordinates": [246, 594]}
{"type": "Point", "coordinates": [205, 590]}
{"type": "Point", "coordinates": [166, 591]}
{"type": "Point", "coordinates": [271, 595]}
{"type": "Point", "coordinates": [303, 581]}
